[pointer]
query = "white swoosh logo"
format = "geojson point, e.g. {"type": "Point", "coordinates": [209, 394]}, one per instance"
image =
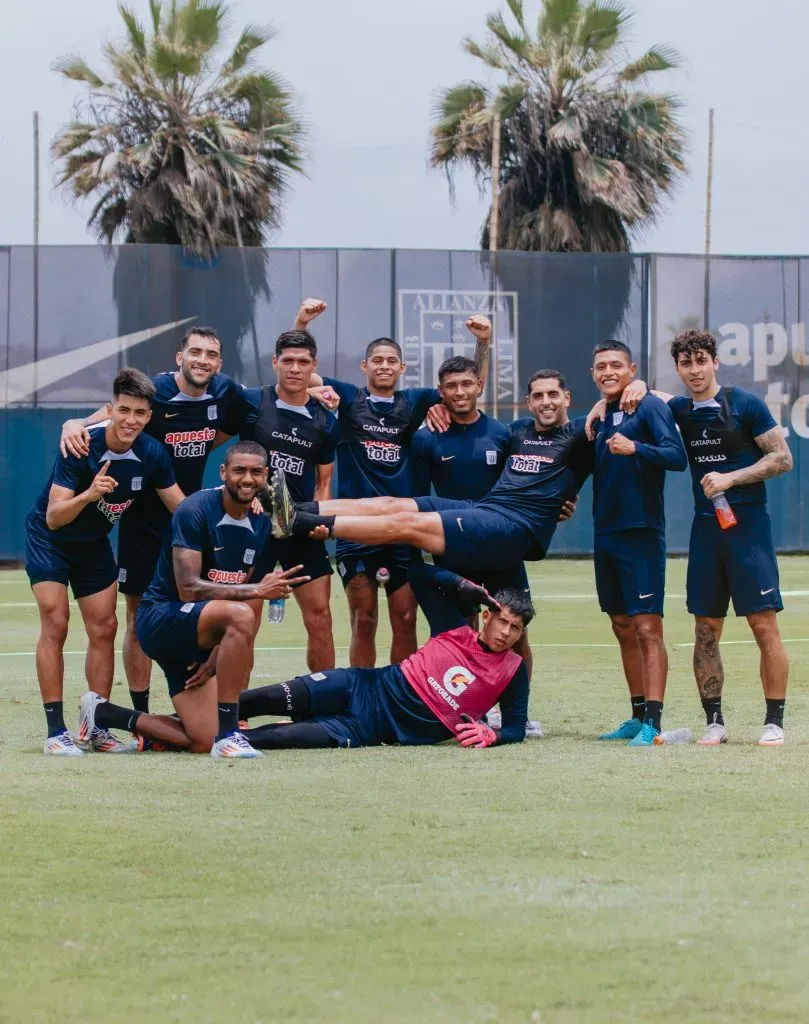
{"type": "Point", "coordinates": [446, 458]}
{"type": "Point", "coordinates": [23, 381]}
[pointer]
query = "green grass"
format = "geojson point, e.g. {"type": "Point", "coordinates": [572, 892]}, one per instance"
{"type": "Point", "coordinates": [564, 880]}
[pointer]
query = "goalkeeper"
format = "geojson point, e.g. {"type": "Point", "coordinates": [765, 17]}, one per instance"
{"type": "Point", "coordinates": [441, 692]}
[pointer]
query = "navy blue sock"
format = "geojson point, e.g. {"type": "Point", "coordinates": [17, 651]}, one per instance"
{"type": "Point", "coordinates": [228, 719]}
{"type": "Point", "coordinates": [638, 707]}
{"type": "Point", "coordinates": [305, 522]}
{"type": "Point", "coordinates": [654, 713]}
{"type": "Point", "coordinates": [712, 706]}
{"type": "Point", "coordinates": [775, 712]}
{"type": "Point", "coordinates": [55, 717]}
{"type": "Point", "coordinates": [140, 700]}
{"type": "Point", "coordinates": [111, 716]}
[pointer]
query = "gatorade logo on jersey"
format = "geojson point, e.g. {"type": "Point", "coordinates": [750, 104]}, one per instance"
{"type": "Point", "coordinates": [190, 444]}
{"type": "Point", "coordinates": [457, 678]}
{"type": "Point", "coordinates": [382, 451]}
{"type": "Point", "coordinates": [113, 511]}
{"type": "Point", "coordinates": [227, 575]}
{"type": "Point", "coordinates": [529, 463]}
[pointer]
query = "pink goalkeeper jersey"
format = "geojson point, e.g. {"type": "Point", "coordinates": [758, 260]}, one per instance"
{"type": "Point", "coordinates": [455, 676]}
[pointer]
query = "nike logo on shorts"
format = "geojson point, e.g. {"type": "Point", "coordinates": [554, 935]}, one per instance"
{"type": "Point", "coordinates": [765, 592]}
{"type": "Point", "coordinates": [643, 597]}
{"type": "Point", "coordinates": [460, 524]}
{"type": "Point", "coordinates": [219, 549]}
{"type": "Point", "coordinates": [446, 458]}
{"type": "Point", "coordinates": [171, 415]}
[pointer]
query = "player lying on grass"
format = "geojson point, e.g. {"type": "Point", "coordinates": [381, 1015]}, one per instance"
{"type": "Point", "coordinates": [199, 616]}
{"type": "Point", "coordinates": [734, 445]}
{"type": "Point", "coordinates": [439, 693]}
{"type": "Point", "coordinates": [550, 459]}
{"type": "Point", "coordinates": [67, 543]}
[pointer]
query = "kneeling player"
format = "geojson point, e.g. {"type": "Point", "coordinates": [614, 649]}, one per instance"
{"type": "Point", "coordinates": [199, 616]}
{"type": "Point", "coordinates": [439, 693]}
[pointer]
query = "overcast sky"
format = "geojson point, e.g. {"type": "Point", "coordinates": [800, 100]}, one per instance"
{"type": "Point", "coordinates": [365, 72]}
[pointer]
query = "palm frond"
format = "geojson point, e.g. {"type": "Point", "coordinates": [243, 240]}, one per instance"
{"type": "Point", "coordinates": [77, 69]}
{"type": "Point", "coordinates": [135, 31]}
{"type": "Point", "coordinates": [657, 58]}
{"type": "Point", "coordinates": [252, 38]}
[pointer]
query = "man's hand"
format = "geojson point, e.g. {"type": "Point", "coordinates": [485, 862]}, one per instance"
{"type": "Point", "coordinates": [309, 311]}
{"type": "Point", "coordinates": [475, 734]}
{"type": "Point", "coordinates": [279, 583]}
{"type": "Point", "coordinates": [471, 597]}
{"type": "Point", "coordinates": [598, 412]}
{"type": "Point", "coordinates": [480, 326]}
{"type": "Point", "coordinates": [438, 419]}
{"type": "Point", "coordinates": [631, 398]}
{"type": "Point", "coordinates": [620, 445]}
{"type": "Point", "coordinates": [101, 485]}
{"type": "Point", "coordinates": [325, 395]}
{"type": "Point", "coordinates": [716, 483]}
{"type": "Point", "coordinates": [75, 439]}
{"type": "Point", "coordinates": [204, 671]}
{"type": "Point", "coordinates": [319, 533]}
{"type": "Point", "coordinates": [568, 509]}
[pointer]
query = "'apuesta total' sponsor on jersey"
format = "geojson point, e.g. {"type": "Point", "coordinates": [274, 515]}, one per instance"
{"type": "Point", "coordinates": [382, 451]}
{"type": "Point", "coordinates": [190, 444]}
{"type": "Point", "coordinates": [528, 463]}
{"type": "Point", "coordinates": [227, 575]}
{"type": "Point", "coordinates": [113, 511]}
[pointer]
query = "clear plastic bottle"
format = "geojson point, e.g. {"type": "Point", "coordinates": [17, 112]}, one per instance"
{"type": "Point", "coordinates": [724, 513]}
{"type": "Point", "coordinates": [383, 576]}
{"type": "Point", "coordinates": [276, 609]}
{"type": "Point", "coordinates": [674, 736]}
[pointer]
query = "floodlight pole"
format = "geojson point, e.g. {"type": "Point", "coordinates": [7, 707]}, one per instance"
{"type": "Point", "coordinates": [708, 215]}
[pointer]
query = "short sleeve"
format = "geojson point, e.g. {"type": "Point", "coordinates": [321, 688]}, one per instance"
{"type": "Point", "coordinates": [419, 400]}
{"type": "Point", "coordinates": [241, 409]}
{"type": "Point", "coordinates": [67, 471]}
{"type": "Point", "coordinates": [162, 471]}
{"type": "Point", "coordinates": [756, 416]}
{"type": "Point", "coordinates": [325, 456]}
{"type": "Point", "coordinates": [346, 391]}
{"type": "Point", "coordinates": [420, 461]}
{"type": "Point", "coordinates": [678, 405]}
{"type": "Point", "coordinates": [188, 527]}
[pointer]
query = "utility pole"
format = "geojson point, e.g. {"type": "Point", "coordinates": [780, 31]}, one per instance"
{"type": "Point", "coordinates": [36, 253]}
{"type": "Point", "coordinates": [708, 214]}
{"type": "Point", "coordinates": [494, 227]}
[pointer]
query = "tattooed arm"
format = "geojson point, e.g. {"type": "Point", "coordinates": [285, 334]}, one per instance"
{"type": "Point", "coordinates": [776, 459]}
{"type": "Point", "coordinates": [191, 587]}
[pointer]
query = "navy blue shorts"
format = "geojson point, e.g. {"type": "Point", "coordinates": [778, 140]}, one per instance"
{"type": "Point", "coordinates": [345, 702]}
{"type": "Point", "coordinates": [139, 549]}
{"type": "Point", "coordinates": [86, 568]}
{"type": "Point", "coordinates": [630, 567]}
{"type": "Point", "coordinates": [738, 564]}
{"type": "Point", "coordinates": [311, 554]}
{"type": "Point", "coordinates": [482, 541]}
{"type": "Point", "coordinates": [167, 633]}
{"type": "Point", "coordinates": [367, 561]}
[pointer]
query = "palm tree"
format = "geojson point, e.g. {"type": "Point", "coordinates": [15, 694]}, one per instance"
{"type": "Point", "coordinates": [175, 144]}
{"type": "Point", "coordinates": [588, 152]}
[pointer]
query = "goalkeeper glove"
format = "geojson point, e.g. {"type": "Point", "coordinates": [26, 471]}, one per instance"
{"type": "Point", "coordinates": [475, 734]}
{"type": "Point", "coordinates": [471, 596]}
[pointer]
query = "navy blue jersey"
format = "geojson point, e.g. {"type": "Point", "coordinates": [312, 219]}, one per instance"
{"type": "Point", "coordinates": [463, 462]}
{"type": "Point", "coordinates": [233, 550]}
{"type": "Point", "coordinates": [628, 489]}
{"type": "Point", "coordinates": [719, 437]}
{"type": "Point", "coordinates": [187, 428]}
{"type": "Point", "coordinates": [544, 469]}
{"type": "Point", "coordinates": [145, 465]}
{"type": "Point", "coordinates": [375, 436]}
{"type": "Point", "coordinates": [295, 441]}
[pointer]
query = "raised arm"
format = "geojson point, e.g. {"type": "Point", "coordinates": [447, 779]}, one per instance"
{"type": "Point", "coordinates": [481, 328]}
{"type": "Point", "coordinates": [64, 504]}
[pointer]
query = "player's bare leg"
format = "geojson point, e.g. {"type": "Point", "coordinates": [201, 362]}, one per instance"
{"type": "Point", "coordinates": [710, 676]}
{"type": "Point", "coordinates": [421, 529]}
{"type": "Point", "coordinates": [366, 506]}
{"type": "Point", "coordinates": [774, 668]}
{"type": "Point", "coordinates": [313, 601]}
{"type": "Point", "coordinates": [54, 615]}
{"type": "Point", "coordinates": [101, 624]}
{"type": "Point", "coordinates": [362, 594]}
{"type": "Point", "coordinates": [198, 714]}
{"type": "Point", "coordinates": [623, 626]}
{"type": "Point", "coordinates": [137, 666]}
{"type": "Point", "coordinates": [402, 611]}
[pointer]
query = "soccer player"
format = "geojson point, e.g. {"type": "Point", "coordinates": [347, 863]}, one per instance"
{"type": "Point", "coordinates": [734, 445]}
{"type": "Point", "coordinates": [377, 423]}
{"type": "Point", "coordinates": [440, 692]}
{"type": "Point", "coordinates": [549, 460]}
{"type": "Point", "coordinates": [199, 614]}
{"type": "Point", "coordinates": [632, 454]}
{"type": "Point", "coordinates": [195, 409]}
{"type": "Point", "coordinates": [300, 437]}
{"type": "Point", "coordinates": [67, 543]}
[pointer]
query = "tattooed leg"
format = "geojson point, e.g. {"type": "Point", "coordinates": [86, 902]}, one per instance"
{"type": "Point", "coordinates": [708, 670]}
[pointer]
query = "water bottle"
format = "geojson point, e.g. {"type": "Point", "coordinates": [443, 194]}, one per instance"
{"type": "Point", "coordinates": [383, 576]}
{"type": "Point", "coordinates": [276, 609]}
{"type": "Point", "coordinates": [724, 513]}
{"type": "Point", "coordinates": [675, 736]}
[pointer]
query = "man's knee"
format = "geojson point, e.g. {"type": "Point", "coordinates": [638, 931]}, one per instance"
{"type": "Point", "coordinates": [648, 629]}
{"type": "Point", "coordinates": [202, 739]}
{"type": "Point", "coordinates": [132, 605]}
{"type": "Point", "coordinates": [317, 619]}
{"type": "Point", "coordinates": [624, 629]}
{"type": "Point", "coordinates": [102, 630]}
{"type": "Point", "coordinates": [708, 632]}
{"type": "Point", "coordinates": [403, 620]}
{"type": "Point", "coordinates": [765, 628]}
{"type": "Point", "coordinates": [240, 621]}
{"type": "Point", "coordinates": [54, 626]}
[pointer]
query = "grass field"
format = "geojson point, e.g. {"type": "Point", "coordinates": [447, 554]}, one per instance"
{"type": "Point", "coordinates": [562, 881]}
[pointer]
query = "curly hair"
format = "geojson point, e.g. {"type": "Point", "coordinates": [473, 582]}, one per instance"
{"type": "Point", "coordinates": [692, 341]}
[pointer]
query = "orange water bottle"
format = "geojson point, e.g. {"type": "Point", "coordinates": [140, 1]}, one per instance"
{"type": "Point", "coordinates": [724, 513]}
